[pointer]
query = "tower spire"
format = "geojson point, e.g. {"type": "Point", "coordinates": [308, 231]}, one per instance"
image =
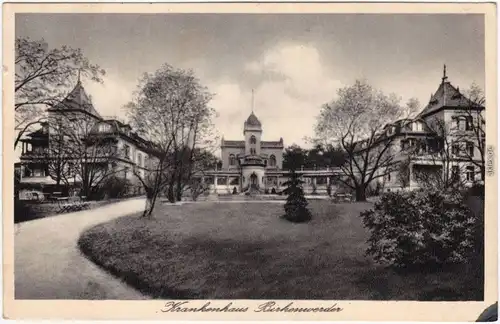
{"type": "Point", "coordinates": [252, 100]}
{"type": "Point", "coordinates": [79, 80]}
{"type": "Point", "coordinates": [444, 74]}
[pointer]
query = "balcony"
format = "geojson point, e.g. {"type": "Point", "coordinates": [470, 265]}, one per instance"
{"type": "Point", "coordinates": [35, 152]}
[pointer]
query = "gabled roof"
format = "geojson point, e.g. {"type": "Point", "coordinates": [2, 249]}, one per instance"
{"type": "Point", "coordinates": [447, 96]}
{"type": "Point", "coordinates": [233, 143]}
{"type": "Point", "coordinates": [78, 99]}
{"type": "Point", "coordinates": [272, 144]}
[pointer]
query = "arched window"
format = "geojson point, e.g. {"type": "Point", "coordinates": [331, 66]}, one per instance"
{"type": "Point", "coordinates": [232, 160]}
{"type": "Point", "coordinates": [272, 160]}
{"type": "Point", "coordinates": [253, 140]}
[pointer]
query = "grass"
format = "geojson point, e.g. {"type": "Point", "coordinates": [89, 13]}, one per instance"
{"type": "Point", "coordinates": [245, 251]}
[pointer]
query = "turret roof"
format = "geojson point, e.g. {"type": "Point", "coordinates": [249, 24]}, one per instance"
{"type": "Point", "coordinates": [252, 120]}
{"type": "Point", "coordinates": [447, 96]}
{"type": "Point", "coordinates": [78, 99]}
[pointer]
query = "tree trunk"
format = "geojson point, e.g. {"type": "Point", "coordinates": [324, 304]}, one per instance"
{"type": "Point", "coordinates": [150, 203]}
{"type": "Point", "coordinates": [361, 193]}
{"type": "Point", "coordinates": [179, 193]}
{"type": "Point", "coordinates": [171, 193]}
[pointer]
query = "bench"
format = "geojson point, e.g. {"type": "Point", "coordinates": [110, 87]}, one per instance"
{"type": "Point", "coordinates": [342, 197]}
{"type": "Point", "coordinates": [71, 204]}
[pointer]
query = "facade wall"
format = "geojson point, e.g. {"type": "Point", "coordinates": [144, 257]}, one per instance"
{"type": "Point", "coordinates": [444, 118]}
{"type": "Point", "coordinates": [226, 152]}
{"type": "Point", "coordinates": [277, 152]}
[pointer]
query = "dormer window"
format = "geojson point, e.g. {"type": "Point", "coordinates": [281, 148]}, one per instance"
{"type": "Point", "coordinates": [104, 128]}
{"type": "Point", "coordinates": [391, 130]}
{"type": "Point", "coordinates": [417, 126]}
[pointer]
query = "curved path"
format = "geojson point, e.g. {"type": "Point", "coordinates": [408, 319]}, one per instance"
{"type": "Point", "coordinates": [49, 264]}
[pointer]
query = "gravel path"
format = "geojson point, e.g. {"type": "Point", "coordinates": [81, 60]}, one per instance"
{"type": "Point", "coordinates": [49, 265]}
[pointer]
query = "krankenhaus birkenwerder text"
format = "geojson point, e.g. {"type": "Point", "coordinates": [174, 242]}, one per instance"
{"type": "Point", "coordinates": [267, 307]}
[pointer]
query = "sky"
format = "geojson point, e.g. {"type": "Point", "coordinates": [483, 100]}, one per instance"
{"type": "Point", "coordinates": [295, 62]}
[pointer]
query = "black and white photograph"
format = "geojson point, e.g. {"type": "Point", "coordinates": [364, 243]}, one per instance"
{"type": "Point", "coordinates": [264, 156]}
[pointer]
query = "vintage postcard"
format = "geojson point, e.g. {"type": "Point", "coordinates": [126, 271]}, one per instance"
{"type": "Point", "coordinates": [250, 161]}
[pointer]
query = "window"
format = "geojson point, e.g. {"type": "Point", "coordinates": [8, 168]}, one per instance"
{"type": "Point", "coordinates": [417, 126]}
{"type": "Point", "coordinates": [252, 151]}
{"type": "Point", "coordinates": [125, 172]}
{"type": "Point", "coordinates": [470, 173]}
{"type": "Point", "coordinates": [103, 128]}
{"type": "Point", "coordinates": [71, 167]}
{"type": "Point", "coordinates": [126, 149]}
{"type": "Point", "coordinates": [433, 145]}
{"type": "Point", "coordinates": [469, 147]}
{"type": "Point", "coordinates": [272, 160]}
{"type": "Point", "coordinates": [232, 159]}
{"type": "Point", "coordinates": [455, 149]}
{"type": "Point", "coordinates": [422, 147]}
{"type": "Point", "coordinates": [468, 123]}
{"type": "Point", "coordinates": [455, 173]}
{"type": "Point", "coordinates": [408, 144]}
{"type": "Point", "coordinates": [464, 123]}
{"type": "Point", "coordinates": [321, 180]}
{"type": "Point", "coordinates": [139, 159]}
{"type": "Point", "coordinates": [222, 181]}
{"type": "Point", "coordinates": [388, 177]}
{"type": "Point", "coordinates": [253, 140]}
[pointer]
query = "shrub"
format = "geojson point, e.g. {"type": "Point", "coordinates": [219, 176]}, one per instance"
{"type": "Point", "coordinates": [296, 204]}
{"type": "Point", "coordinates": [477, 190]}
{"type": "Point", "coordinates": [114, 187]}
{"type": "Point", "coordinates": [424, 227]}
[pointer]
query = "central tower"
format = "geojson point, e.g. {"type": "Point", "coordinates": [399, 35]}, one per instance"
{"type": "Point", "coordinates": [252, 130]}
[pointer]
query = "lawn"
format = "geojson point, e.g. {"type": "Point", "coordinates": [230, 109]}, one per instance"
{"type": "Point", "coordinates": [216, 250]}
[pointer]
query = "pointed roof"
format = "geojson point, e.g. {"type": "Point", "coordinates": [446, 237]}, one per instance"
{"type": "Point", "coordinates": [447, 96]}
{"type": "Point", "coordinates": [78, 99]}
{"type": "Point", "coordinates": [253, 121]}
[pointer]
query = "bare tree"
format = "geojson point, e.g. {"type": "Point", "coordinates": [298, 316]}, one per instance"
{"type": "Point", "coordinates": [43, 77]}
{"type": "Point", "coordinates": [170, 110]}
{"type": "Point", "coordinates": [92, 156]}
{"type": "Point", "coordinates": [152, 178]}
{"type": "Point", "coordinates": [60, 165]}
{"type": "Point", "coordinates": [359, 121]}
{"type": "Point", "coordinates": [404, 174]}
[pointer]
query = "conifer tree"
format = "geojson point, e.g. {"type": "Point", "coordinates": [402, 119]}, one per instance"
{"type": "Point", "coordinates": [296, 204]}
